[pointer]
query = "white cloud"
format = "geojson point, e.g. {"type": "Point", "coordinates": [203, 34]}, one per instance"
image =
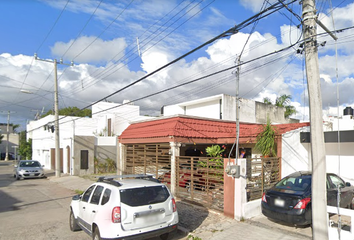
{"type": "Point", "coordinates": [254, 5]}
{"type": "Point", "coordinates": [90, 49]}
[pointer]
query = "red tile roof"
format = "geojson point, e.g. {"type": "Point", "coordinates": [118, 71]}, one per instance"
{"type": "Point", "coordinates": [189, 127]}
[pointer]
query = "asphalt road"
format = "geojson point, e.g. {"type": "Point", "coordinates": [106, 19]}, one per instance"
{"type": "Point", "coordinates": [34, 208]}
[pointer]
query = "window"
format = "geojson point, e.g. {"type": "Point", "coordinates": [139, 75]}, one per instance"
{"type": "Point", "coordinates": [300, 183]}
{"type": "Point", "coordinates": [144, 196]}
{"type": "Point", "coordinates": [86, 195]}
{"type": "Point", "coordinates": [84, 159]}
{"type": "Point", "coordinates": [96, 195]}
{"type": "Point", "coordinates": [337, 182]}
{"type": "Point", "coordinates": [106, 196]}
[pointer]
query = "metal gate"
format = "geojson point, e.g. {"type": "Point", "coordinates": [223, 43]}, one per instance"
{"type": "Point", "coordinates": [201, 180]}
{"type": "Point", "coordinates": [262, 174]}
{"type": "Point", "coordinates": [147, 159]}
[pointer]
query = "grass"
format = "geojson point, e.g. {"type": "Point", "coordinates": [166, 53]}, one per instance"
{"type": "Point", "coordinates": [79, 192]}
{"type": "Point", "coordinates": [193, 238]}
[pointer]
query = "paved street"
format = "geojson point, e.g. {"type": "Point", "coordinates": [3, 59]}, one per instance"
{"type": "Point", "coordinates": [34, 209]}
{"type": "Point", "coordinates": [39, 209]}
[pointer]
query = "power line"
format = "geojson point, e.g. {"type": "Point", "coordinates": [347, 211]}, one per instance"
{"type": "Point", "coordinates": [110, 70]}
{"type": "Point", "coordinates": [229, 32]}
{"type": "Point", "coordinates": [186, 83]}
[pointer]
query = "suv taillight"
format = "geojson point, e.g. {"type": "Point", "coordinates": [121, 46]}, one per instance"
{"type": "Point", "coordinates": [264, 198]}
{"type": "Point", "coordinates": [174, 205]}
{"type": "Point", "coordinates": [302, 203]}
{"type": "Point", "coordinates": [116, 215]}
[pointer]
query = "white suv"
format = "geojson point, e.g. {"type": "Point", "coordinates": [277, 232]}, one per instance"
{"type": "Point", "coordinates": [137, 207]}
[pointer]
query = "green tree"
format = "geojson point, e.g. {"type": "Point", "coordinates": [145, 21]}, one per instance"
{"type": "Point", "coordinates": [14, 127]}
{"type": "Point", "coordinates": [266, 140]}
{"type": "Point", "coordinates": [71, 111]}
{"type": "Point", "coordinates": [267, 100]}
{"type": "Point", "coordinates": [25, 148]}
{"type": "Point", "coordinates": [283, 101]}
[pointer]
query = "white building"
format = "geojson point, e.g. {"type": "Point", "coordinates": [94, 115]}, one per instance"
{"type": "Point", "coordinates": [296, 147]}
{"type": "Point", "coordinates": [223, 107]}
{"type": "Point", "coordinates": [82, 139]}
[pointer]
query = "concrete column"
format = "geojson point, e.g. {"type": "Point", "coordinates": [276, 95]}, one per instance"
{"type": "Point", "coordinates": [122, 159]}
{"type": "Point", "coordinates": [174, 152]}
{"type": "Point", "coordinates": [118, 159]}
{"type": "Point", "coordinates": [240, 191]}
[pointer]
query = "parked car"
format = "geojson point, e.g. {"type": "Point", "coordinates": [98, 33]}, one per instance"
{"type": "Point", "coordinates": [290, 199]}
{"type": "Point", "coordinates": [138, 207]}
{"type": "Point", "coordinates": [28, 169]}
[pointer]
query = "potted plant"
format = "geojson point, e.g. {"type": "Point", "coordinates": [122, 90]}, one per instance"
{"type": "Point", "coordinates": [266, 140]}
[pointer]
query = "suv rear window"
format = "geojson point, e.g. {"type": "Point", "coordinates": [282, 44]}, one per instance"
{"type": "Point", "coordinates": [144, 196]}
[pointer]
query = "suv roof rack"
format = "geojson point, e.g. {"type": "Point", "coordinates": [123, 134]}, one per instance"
{"type": "Point", "coordinates": [110, 179]}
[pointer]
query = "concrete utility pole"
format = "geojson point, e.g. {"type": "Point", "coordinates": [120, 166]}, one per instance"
{"type": "Point", "coordinates": [319, 196]}
{"type": "Point", "coordinates": [56, 110]}
{"type": "Point", "coordinates": [7, 134]}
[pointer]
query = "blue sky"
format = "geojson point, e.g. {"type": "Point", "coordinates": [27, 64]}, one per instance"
{"type": "Point", "coordinates": [101, 38]}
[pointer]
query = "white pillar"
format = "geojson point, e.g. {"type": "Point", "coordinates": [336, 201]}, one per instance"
{"type": "Point", "coordinates": [122, 159]}
{"type": "Point", "coordinates": [175, 152]}
{"type": "Point", "coordinates": [240, 191]}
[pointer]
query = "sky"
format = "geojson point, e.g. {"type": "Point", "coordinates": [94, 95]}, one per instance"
{"type": "Point", "coordinates": [114, 43]}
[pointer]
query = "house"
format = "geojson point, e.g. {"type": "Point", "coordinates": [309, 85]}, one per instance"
{"type": "Point", "coordinates": [223, 107]}
{"type": "Point", "coordinates": [339, 153]}
{"type": "Point", "coordinates": [82, 139]}
{"type": "Point", "coordinates": [12, 144]}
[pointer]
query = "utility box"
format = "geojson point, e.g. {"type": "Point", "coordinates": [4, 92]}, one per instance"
{"type": "Point", "coordinates": [233, 170]}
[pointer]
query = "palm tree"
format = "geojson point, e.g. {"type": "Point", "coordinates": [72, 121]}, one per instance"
{"type": "Point", "coordinates": [14, 127]}
{"type": "Point", "coordinates": [267, 100]}
{"type": "Point", "coordinates": [283, 101]}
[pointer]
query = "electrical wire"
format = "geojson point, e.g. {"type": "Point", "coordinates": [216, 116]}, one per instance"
{"type": "Point", "coordinates": [110, 70]}
{"type": "Point", "coordinates": [186, 83]}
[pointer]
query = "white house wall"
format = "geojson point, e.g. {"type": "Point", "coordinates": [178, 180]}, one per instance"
{"type": "Point", "coordinates": [172, 110]}
{"type": "Point", "coordinates": [43, 139]}
{"type": "Point", "coordinates": [340, 160]}
{"type": "Point", "coordinates": [295, 155]}
{"type": "Point", "coordinates": [207, 109]}
{"type": "Point", "coordinates": [247, 111]}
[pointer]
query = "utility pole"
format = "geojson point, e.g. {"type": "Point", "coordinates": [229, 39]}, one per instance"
{"type": "Point", "coordinates": [56, 110]}
{"type": "Point", "coordinates": [319, 196]}
{"type": "Point", "coordinates": [7, 134]}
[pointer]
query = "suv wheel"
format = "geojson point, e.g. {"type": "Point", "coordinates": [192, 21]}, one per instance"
{"type": "Point", "coordinates": [96, 234]}
{"type": "Point", "coordinates": [73, 222]}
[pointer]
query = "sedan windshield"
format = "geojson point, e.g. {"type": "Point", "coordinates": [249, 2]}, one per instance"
{"type": "Point", "coordinates": [300, 183]}
{"type": "Point", "coordinates": [30, 164]}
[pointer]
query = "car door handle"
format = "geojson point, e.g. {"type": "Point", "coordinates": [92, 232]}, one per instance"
{"type": "Point", "coordinates": [83, 208]}
{"type": "Point", "coordinates": [93, 211]}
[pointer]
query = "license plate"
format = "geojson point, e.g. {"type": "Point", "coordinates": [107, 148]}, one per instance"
{"type": "Point", "coordinates": [279, 202]}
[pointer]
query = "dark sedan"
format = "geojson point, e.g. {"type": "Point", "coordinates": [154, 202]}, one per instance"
{"type": "Point", "coordinates": [289, 200]}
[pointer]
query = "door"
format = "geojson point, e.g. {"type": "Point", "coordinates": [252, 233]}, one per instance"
{"type": "Point", "coordinates": [92, 208]}
{"type": "Point", "coordinates": [84, 208]}
{"type": "Point", "coordinates": [335, 183]}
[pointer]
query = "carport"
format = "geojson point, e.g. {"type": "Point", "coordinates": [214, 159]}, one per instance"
{"type": "Point", "coordinates": [159, 147]}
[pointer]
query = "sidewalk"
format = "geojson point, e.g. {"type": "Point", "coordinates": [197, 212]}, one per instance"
{"type": "Point", "coordinates": [221, 228]}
